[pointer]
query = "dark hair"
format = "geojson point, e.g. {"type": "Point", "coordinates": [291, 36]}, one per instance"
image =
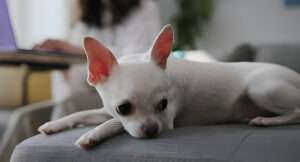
{"type": "Point", "coordinates": [91, 10]}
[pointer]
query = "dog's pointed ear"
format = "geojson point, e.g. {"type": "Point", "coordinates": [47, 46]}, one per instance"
{"type": "Point", "coordinates": [162, 47]}
{"type": "Point", "coordinates": [100, 61]}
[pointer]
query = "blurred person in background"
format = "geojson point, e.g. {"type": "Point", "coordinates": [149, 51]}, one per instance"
{"type": "Point", "coordinates": [123, 26]}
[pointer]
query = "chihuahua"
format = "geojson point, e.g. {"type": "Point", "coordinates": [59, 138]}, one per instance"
{"type": "Point", "coordinates": [144, 94]}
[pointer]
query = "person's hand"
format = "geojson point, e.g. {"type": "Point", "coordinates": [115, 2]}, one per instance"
{"type": "Point", "coordinates": [60, 46]}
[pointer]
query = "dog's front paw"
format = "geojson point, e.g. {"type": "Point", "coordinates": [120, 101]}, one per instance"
{"type": "Point", "coordinates": [87, 141]}
{"type": "Point", "coordinates": [261, 122]}
{"type": "Point", "coordinates": [50, 127]}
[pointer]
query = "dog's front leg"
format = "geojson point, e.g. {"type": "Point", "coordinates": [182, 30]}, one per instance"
{"type": "Point", "coordinates": [98, 134]}
{"type": "Point", "coordinates": [87, 117]}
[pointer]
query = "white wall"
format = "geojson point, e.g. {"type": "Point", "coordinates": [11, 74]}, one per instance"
{"type": "Point", "coordinates": [243, 21]}
{"type": "Point", "coordinates": [255, 21]}
{"type": "Point", "coordinates": [167, 10]}
{"type": "Point", "coordinates": [36, 20]}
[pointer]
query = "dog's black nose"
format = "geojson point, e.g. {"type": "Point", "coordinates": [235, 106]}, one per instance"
{"type": "Point", "coordinates": [150, 131]}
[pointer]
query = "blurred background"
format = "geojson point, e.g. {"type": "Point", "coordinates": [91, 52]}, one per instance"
{"type": "Point", "coordinates": [205, 30]}
{"type": "Point", "coordinates": [217, 28]}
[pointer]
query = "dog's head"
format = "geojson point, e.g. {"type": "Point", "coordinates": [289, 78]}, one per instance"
{"type": "Point", "coordinates": [134, 92]}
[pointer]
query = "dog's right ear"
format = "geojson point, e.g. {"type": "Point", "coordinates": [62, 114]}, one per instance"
{"type": "Point", "coordinates": [100, 61]}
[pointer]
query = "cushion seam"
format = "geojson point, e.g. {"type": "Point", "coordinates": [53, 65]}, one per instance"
{"type": "Point", "coordinates": [237, 148]}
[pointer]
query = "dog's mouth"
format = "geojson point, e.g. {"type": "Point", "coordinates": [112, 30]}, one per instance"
{"type": "Point", "coordinates": [143, 135]}
{"type": "Point", "coordinates": [150, 137]}
{"type": "Point", "coordinates": [147, 136]}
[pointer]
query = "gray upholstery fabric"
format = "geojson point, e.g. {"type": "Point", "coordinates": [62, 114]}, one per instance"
{"type": "Point", "coordinates": [283, 54]}
{"type": "Point", "coordinates": [23, 124]}
{"type": "Point", "coordinates": [243, 52]}
{"type": "Point", "coordinates": [234, 142]}
{"type": "Point", "coordinates": [76, 102]}
{"type": "Point", "coordinates": [4, 119]}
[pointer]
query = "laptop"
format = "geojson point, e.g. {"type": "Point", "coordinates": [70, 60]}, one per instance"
{"type": "Point", "coordinates": [9, 47]}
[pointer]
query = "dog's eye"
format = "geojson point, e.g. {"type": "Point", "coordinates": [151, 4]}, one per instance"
{"type": "Point", "coordinates": [124, 109]}
{"type": "Point", "coordinates": [162, 104]}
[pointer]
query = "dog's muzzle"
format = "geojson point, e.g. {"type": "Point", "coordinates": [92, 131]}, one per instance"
{"type": "Point", "coordinates": [150, 131]}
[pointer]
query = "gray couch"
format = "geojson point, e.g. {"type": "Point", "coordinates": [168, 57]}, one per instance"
{"type": "Point", "coordinates": [284, 54]}
{"type": "Point", "coordinates": [4, 119]}
{"type": "Point", "coordinates": [234, 142]}
{"type": "Point", "coordinates": [21, 124]}
{"type": "Point", "coordinates": [231, 142]}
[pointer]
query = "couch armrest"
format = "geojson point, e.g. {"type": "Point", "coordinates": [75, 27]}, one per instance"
{"type": "Point", "coordinates": [23, 124]}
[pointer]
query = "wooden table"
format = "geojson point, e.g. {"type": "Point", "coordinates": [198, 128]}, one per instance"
{"type": "Point", "coordinates": [42, 60]}
{"type": "Point", "coordinates": [38, 61]}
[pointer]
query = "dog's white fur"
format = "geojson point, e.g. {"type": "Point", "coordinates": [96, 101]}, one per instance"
{"type": "Point", "coordinates": [197, 94]}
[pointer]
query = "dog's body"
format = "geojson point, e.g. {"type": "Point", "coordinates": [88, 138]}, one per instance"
{"type": "Point", "coordinates": [227, 92]}
{"type": "Point", "coordinates": [144, 97]}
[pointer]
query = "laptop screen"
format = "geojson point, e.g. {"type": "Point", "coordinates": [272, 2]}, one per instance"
{"type": "Point", "coordinates": [7, 39]}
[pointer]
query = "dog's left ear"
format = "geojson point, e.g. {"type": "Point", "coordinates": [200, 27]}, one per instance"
{"type": "Point", "coordinates": [100, 61]}
{"type": "Point", "coordinates": [162, 47]}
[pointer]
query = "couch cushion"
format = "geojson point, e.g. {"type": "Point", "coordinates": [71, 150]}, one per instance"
{"type": "Point", "coordinates": [234, 142]}
{"type": "Point", "coordinates": [283, 54]}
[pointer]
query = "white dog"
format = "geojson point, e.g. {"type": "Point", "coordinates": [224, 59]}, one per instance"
{"type": "Point", "coordinates": [147, 94]}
